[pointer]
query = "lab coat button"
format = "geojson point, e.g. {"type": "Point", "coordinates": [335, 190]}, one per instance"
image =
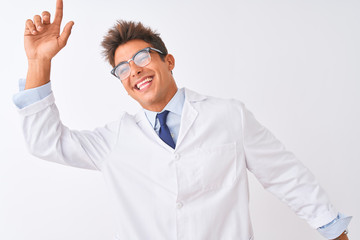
{"type": "Point", "coordinates": [179, 205]}
{"type": "Point", "coordinates": [176, 156]}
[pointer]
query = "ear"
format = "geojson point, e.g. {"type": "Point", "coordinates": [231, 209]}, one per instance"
{"type": "Point", "coordinates": [170, 60]}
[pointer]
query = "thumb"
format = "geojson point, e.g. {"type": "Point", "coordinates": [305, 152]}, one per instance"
{"type": "Point", "coordinates": [64, 36]}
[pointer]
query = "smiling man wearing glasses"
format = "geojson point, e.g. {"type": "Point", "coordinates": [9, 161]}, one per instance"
{"type": "Point", "coordinates": [189, 179]}
{"type": "Point", "coordinates": [146, 75]}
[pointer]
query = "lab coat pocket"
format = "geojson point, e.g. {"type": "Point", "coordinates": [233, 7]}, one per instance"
{"type": "Point", "coordinates": [218, 166]}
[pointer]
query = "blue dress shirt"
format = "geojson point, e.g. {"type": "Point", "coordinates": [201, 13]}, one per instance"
{"type": "Point", "coordinates": [173, 120]}
{"type": "Point", "coordinates": [27, 97]}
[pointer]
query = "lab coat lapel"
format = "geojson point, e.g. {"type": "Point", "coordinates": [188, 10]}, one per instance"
{"type": "Point", "coordinates": [189, 113]}
{"type": "Point", "coordinates": [147, 129]}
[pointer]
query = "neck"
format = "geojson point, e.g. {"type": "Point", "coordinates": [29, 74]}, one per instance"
{"type": "Point", "coordinates": [161, 105]}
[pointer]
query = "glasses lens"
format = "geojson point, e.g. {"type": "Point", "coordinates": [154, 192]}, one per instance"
{"type": "Point", "coordinates": [122, 71]}
{"type": "Point", "coordinates": [142, 58]}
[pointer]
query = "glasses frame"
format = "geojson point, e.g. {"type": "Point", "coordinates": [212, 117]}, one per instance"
{"type": "Point", "coordinates": [147, 49]}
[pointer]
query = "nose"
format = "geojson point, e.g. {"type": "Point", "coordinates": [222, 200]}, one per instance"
{"type": "Point", "coordinates": [135, 69]}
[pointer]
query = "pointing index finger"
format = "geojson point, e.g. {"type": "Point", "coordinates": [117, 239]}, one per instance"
{"type": "Point", "coordinates": [58, 12]}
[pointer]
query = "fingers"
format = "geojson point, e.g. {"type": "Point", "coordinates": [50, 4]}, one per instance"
{"type": "Point", "coordinates": [45, 17]}
{"type": "Point", "coordinates": [34, 26]}
{"type": "Point", "coordinates": [58, 12]}
{"type": "Point", "coordinates": [30, 27]}
{"type": "Point", "coordinates": [38, 22]}
{"type": "Point", "coordinates": [64, 36]}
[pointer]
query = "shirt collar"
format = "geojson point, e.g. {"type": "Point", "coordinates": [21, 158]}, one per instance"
{"type": "Point", "coordinates": [175, 106]}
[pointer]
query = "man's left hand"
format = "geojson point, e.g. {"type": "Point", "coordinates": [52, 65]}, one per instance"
{"type": "Point", "coordinates": [343, 236]}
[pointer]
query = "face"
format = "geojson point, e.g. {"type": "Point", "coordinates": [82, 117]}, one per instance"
{"type": "Point", "coordinates": [152, 86]}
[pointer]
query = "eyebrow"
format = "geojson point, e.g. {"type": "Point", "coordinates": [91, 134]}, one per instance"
{"type": "Point", "coordinates": [124, 61]}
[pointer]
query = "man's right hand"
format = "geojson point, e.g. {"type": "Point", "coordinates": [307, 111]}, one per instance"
{"type": "Point", "coordinates": [42, 40]}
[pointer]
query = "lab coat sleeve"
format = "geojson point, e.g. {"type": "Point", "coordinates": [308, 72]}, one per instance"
{"type": "Point", "coordinates": [282, 174]}
{"type": "Point", "coordinates": [47, 138]}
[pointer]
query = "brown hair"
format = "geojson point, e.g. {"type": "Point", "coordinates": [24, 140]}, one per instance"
{"type": "Point", "coordinates": [124, 31]}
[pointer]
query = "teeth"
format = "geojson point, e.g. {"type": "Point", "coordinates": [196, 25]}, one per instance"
{"type": "Point", "coordinates": [142, 86]}
{"type": "Point", "coordinates": [149, 79]}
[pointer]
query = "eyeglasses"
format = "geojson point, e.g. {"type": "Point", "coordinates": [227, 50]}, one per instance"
{"type": "Point", "coordinates": [141, 59]}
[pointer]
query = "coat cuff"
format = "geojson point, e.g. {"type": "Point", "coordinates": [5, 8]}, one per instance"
{"type": "Point", "coordinates": [37, 106]}
{"type": "Point", "coordinates": [336, 227]}
{"type": "Point", "coordinates": [28, 97]}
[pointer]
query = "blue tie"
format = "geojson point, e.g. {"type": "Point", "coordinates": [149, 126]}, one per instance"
{"type": "Point", "coordinates": [164, 132]}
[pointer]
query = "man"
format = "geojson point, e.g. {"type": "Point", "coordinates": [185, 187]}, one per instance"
{"type": "Point", "coordinates": [178, 168]}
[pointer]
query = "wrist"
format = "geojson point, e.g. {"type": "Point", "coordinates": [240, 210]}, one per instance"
{"type": "Point", "coordinates": [343, 236]}
{"type": "Point", "coordinates": [38, 72]}
{"type": "Point", "coordinates": [39, 62]}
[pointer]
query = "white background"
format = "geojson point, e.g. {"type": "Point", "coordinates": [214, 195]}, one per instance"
{"type": "Point", "coordinates": [295, 64]}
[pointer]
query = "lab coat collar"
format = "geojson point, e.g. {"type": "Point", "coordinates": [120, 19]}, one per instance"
{"type": "Point", "coordinates": [190, 97]}
{"type": "Point", "coordinates": [188, 117]}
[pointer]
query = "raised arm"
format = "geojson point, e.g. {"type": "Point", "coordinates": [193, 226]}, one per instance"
{"type": "Point", "coordinates": [42, 40]}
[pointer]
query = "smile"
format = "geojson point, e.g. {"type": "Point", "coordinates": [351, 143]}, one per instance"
{"type": "Point", "coordinates": [144, 83]}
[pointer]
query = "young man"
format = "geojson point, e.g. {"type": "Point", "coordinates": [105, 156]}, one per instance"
{"type": "Point", "coordinates": [178, 168]}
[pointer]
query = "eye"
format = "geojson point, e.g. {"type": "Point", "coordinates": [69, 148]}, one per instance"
{"type": "Point", "coordinates": [121, 69]}
{"type": "Point", "coordinates": [142, 58]}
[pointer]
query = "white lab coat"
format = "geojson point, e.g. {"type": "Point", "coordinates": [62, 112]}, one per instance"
{"type": "Point", "coordinates": [199, 190]}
